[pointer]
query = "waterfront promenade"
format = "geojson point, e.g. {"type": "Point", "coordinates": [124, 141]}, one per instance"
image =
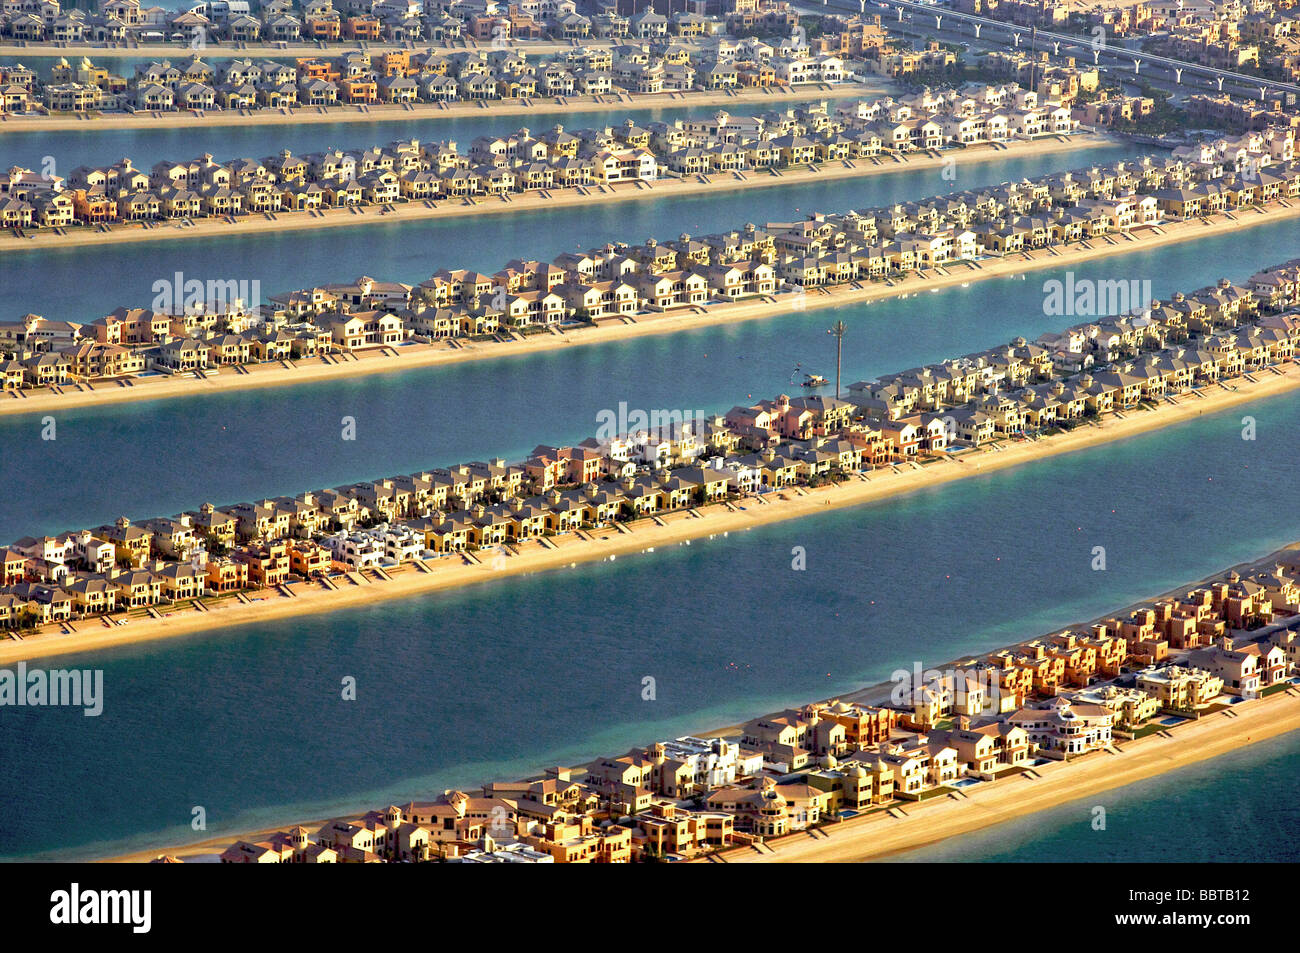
{"type": "Point", "coordinates": [456, 570]}
{"type": "Point", "coordinates": [410, 356]}
{"type": "Point", "coordinates": [667, 187]}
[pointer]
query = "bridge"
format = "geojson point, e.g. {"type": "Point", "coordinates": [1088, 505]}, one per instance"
{"type": "Point", "coordinates": [1097, 48]}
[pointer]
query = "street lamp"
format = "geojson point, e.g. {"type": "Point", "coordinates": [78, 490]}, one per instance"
{"type": "Point", "coordinates": [838, 330]}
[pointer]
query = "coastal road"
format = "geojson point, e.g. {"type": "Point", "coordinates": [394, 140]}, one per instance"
{"type": "Point", "coordinates": [1126, 63]}
{"type": "Point", "coordinates": [1088, 48]}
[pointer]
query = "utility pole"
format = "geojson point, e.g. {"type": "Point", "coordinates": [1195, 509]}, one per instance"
{"type": "Point", "coordinates": [1033, 55]}
{"type": "Point", "coordinates": [838, 330]}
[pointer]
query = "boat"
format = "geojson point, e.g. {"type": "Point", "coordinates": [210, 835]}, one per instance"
{"type": "Point", "coordinates": [814, 380]}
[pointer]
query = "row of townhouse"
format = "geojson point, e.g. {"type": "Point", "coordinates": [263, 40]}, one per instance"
{"type": "Point", "coordinates": [134, 340]}
{"type": "Point", "coordinates": [621, 279]}
{"type": "Point", "coordinates": [1238, 114]}
{"type": "Point", "coordinates": [670, 804]}
{"type": "Point", "coordinates": [415, 171]}
{"type": "Point", "coordinates": [674, 806]}
{"type": "Point", "coordinates": [234, 22]}
{"type": "Point", "coordinates": [1250, 150]}
{"type": "Point", "coordinates": [1062, 697]}
{"type": "Point", "coordinates": [784, 773]}
{"type": "Point", "coordinates": [1068, 691]}
{"type": "Point", "coordinates": [552, 819]}
{"type": "Point", "coordinates": [618, 279]}
{"type": "Point", "coordinates": [285, 22]}
{"type": "Point", "coordinates": [1093, 666]}
{"type": "Point", "coordinates": [1021, 389]}
{"type": "Point", "coordinates": [403, 171]}
{"type": "Point", "coordinates": [681, 460]}
{"type": "Point", "coordinates": [1242, 668]}
{"type": "Point", "coordinates": [726, 143]}
{"type": "Point", "coordinates": [1158, 348]}
{"type": "Point", "coordinates": [359, 77]}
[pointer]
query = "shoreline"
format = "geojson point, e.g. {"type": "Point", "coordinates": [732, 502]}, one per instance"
{"type": "Point", "coordinates": [1009, 799]}
{"type": "Point", "coordinates": [414, 356]}
{"type": "Point", "coordinates": [454, 571]}
{"type": "Point", "coordinates": [387, 112]}
{"type": "Point", "coordinates": [879, 836]}
{"type": "Point", "coordinates": [416, 210]}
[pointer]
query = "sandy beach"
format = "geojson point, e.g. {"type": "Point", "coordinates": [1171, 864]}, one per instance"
{"type": "Point", "coordinates": [453, 571]}
{"type": "Point", "coordinates": [381, 112]}
{"type": "Point", "coordinates": [517, 203]}
{"type": "Point", "coordinates": [314, 370]}
{"type": "Point", "coordinates": [876, 836]}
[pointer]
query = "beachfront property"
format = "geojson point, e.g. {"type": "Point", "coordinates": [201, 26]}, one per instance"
{"type": "Point", "coordinates": [640, 468]}
{"type": "Point", "coordinates": [290, 22]}
{"type": "Point", "coordinates": [796, 770]}
{"type": "Point", "coordinates": [1179, 688]}
{"type": "Point", "coordinates": [525, 162]}
{"type": "Point", "coordinates": [1058, 698]}
{"type": "Point", "coordinates": [677, 61]}
{"type": "Point", "coordinates": [401, 172]}
{"type": "Point", "coordinates": [1142, 358]}
{"type": "Point", "coordinates": [1066, 728]}
{"type": "Point", "coordinates": [791, 739]}
{"type": "Point", "coordinates": [199, 333]}
{"type": "Point", "coordinates": [993, 718]}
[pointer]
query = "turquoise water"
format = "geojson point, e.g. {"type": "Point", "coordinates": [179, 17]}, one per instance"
{"type": "Point", "coordinates": [1225, 810]}
{"type": "Point", "coordinates": [232, 446]}
{"type": "Point", "coordinates": [456, 688]}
